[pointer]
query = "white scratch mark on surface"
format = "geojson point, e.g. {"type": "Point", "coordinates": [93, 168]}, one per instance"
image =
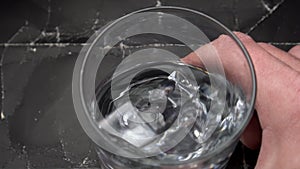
{"type": "Point", "coordinates": [123, 47]}
{"type": "Point", "coordinates": [43, 32]}
{"type": "Point", "coordinates": [265, 5]}
{"type": "Point", "coordinates": [2, 116]}
{"type": "Point", "coordinates": [57, 34]}
{"type": "Point", "coordinates": [20, 30]}
{"type": "Point", "coordinates": [284, 43]}
{"type": "Point", "coordinates": [32, 49]}
{"type": "Point", "coordinates": [158, 3]}
{"type": "Point", "coordinates": [49, 10]}
{"type": "Point", "coordinates": [65, 155]}
{"type": "Point", "coordinates": [31, 44]}
{"type": "Point", "coordinates": [96, 22]}
{"type": "Point", "coordinates": [263, 18]}
{"type": "Point", "coordinates": [85, 160]}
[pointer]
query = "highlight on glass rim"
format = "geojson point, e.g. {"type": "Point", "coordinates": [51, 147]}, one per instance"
{"type": "Point", "coordinates": [148, 107]}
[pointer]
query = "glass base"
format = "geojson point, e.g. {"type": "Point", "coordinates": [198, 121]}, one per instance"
{"type": "Point", "coordinates": [112, 161]}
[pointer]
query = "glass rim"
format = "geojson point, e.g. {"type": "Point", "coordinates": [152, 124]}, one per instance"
{"type": "Point", "coordinates": [83, 103]}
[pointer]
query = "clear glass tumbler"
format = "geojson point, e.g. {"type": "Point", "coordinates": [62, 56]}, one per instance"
{"type": "Point", "coordinates": [146, 105]}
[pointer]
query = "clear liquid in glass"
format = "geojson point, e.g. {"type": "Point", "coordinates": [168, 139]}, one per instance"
{"type": "Point", "coordinates": [155, 100]}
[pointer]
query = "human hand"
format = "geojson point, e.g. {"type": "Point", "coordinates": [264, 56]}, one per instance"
{"type": "Point", "coordinates": [276, 127]}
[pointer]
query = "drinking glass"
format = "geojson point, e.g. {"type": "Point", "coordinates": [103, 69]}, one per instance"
{"type": "Point", "coordinates": [145, 106]}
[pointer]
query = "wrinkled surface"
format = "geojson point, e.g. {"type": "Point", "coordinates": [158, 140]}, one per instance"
{"type": "Point", "coordinates": [39, 43]}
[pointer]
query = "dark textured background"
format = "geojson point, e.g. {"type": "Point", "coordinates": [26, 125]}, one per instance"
{"type": "Point", "coordinates": [39, 43]}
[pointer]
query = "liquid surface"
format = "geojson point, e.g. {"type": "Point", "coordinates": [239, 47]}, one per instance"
{"type": "Point", "coordinates": [156, 103]}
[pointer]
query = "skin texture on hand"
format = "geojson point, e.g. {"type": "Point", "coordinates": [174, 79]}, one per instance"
{"type": "Point", "coordinates": [276, 127]}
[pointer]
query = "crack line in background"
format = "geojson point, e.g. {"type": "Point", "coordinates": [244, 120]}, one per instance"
{"type": "Point", "coordinates": [264, 17]}
{"type": "Point", "coordinates": [127, 46]}
{"type": "Point", "coordinates": [20, 30]}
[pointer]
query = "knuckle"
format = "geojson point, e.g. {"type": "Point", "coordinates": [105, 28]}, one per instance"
{"type": "Point", "coordinates": [224, 40]}
{"type": "Point", "coordinates": [223, 37]}
{"type": "Point", "coordinates": [243, 37]}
